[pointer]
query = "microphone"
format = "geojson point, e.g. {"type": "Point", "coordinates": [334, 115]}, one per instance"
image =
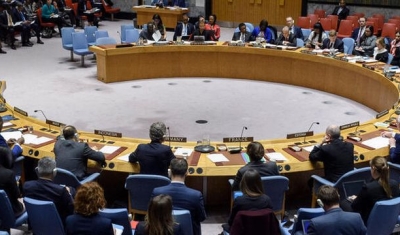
{"type": "Point", "coordinates": [120, 38]}
{"type": "Point", "coordinates": [312, 124]}
{"type": "Point", "coordinates": [239, 149]}
{"type": "Point", "coordinates": [169, 137]}
{"type": "Point", "coordinates": [39, 110]}
{"type": "Point", "coordinates": [356, 133]}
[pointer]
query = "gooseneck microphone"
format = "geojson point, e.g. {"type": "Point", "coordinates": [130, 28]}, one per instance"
{"type": "Point", "coordinates": [169, 137]}
{"type": "Point", "coordinates": [120, 38]}
{"type": "Point", "coordinates": [312, 124]}
{"type": "Point", "coordinates": [44, 115]}
{"type": "Point", "coordinates": [239, 149]}
{"type": "Point", "coordinates": [356, 133]}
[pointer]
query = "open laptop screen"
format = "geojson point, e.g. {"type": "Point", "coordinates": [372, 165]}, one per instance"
{"type": "Point", "coordinates": [352, 187]}
{"type": "Point", "coordinates": [305, 223]}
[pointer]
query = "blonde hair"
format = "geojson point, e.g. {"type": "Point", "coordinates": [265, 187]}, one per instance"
{"type": "Point", "coordinates": [379, 164]}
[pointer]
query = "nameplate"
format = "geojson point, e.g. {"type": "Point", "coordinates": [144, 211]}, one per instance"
{"type": "Point", "coordinates": [108, 133]}
{"type": "Point", "coordinates": [368, 66]}
{"type": "Point", "coordinates": [20, 111]}
{"type": "Point", "coordinates": [2, 98]}
{"type": "Point", "coordinates": [237, 139]}
{"type": "Point", "coordinates": [349, 125]}
{"type": "Point", "coordinates": [308, 52]}
{"type": "Point", "coordinates": [123, 45]}
{"type": "Point", "coordinates": [54, 123]}
{"type": "Point", "coordinates": [176, 139]}
{"type": "Point", "coordinates": [236, 44]}
{"type": "Point", "coordinates": [299, 134]}
{"type": "Point", "coordinates": [383, 113]}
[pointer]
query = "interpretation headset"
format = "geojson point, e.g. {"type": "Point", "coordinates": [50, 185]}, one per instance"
{"type": "Point", "coordinates": [67, 128]}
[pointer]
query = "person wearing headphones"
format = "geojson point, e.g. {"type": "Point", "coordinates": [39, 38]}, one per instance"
{"type": "Point", "coordinates": [154, 158]}
{"type": "Point", "coordinates": [46, 190]}
{"type": "Point", "coordinates": [335, 220]}
{"type": "Point", "coordinates": [73, 155]}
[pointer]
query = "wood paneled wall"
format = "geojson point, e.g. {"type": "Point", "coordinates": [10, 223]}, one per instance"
{"type": "Point", "coordinates": [275, 11]}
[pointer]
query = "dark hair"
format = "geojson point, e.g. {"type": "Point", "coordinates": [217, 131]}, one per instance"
{"type": "Point", "coordinates": [179, 166]}
{"type": "Point", "coordinates": [251, 184]}
{"type": "Point", "coordinates": [264, 22]}
{"type": "Point", "coordinates": [241, 25]}
{"type": "Point", "coordinates": [69, 132]}
{"type": "Point", "coordinates": [321, 31]}
{"type": "Point", "coordinates": [159, 220]}
{"type": "Point", "coordinates": [157, 131]}
{"type": "Point", "coordinates": [157, 16]}
{"type": "Point", "coordinates": [328, 195]}
{"type": "Point", "coordinates": [379, 164]}
{"type": "Point", "coordinates": [215, 17]}
{"type": "Point", "coordinates": [371, 28]}
{"type": "Point", "coordinates": [5, 157]}
{"type": "Point", "coordinates": [255, 150]}
{"type": "Point", "coordinates": [89, 199]}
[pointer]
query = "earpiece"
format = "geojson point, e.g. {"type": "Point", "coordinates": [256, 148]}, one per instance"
{"type": "Point", "coordinates": [320, 203]}
{"type": "Point", "coordinates": [54, 172]}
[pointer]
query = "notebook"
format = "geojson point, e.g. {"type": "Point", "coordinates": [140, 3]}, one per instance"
{"type": "Point", "coordinates": [352, 187]}
{"type": "Point", "coordinates": [305, 223]}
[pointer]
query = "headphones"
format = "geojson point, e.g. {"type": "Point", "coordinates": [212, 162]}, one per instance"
{"type": "Point", "coordinates": [320, 203]}
{"type": "Point", "coordinates": [54, 172]}
{"type": "Point", "coordinates": [76, 135]}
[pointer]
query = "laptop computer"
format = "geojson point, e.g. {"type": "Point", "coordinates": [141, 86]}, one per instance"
{"type": "Point", "coordinates": [185, 38]}
{"type": "Point", "coordinates": [351, 188]}
{"type": "Point", "coordinates": [305, 223]}
{"type": "Point", "coordinates": [199, 38]}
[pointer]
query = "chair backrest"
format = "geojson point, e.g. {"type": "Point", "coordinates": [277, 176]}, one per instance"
{"type": "Point", "coordinates": [334, 19]}
{"type": "Point", "coordinates": [101, 34]}
{"type": "Point", "coordinates": [394, 169]}
{"type": "Point", "coordinates": [275, 187]}
{"type": "Point", "coordinates": [390, 58]}
{"type": "Point", "coordinates": [355, 21]}
{"type": "Point", "coordinates": [396, 22]}
{"type": "Point", "coordinates": [381, 20]}
{"type": "Point", "coordinates": [118, 216]}
{"type": "Point", "coordinates": [376, 24]}
{"type": "Point", "coordinates": [305, 214]}
{"type": "Point", "coordinates": [321, 13]}
{"type": "Point", "coordinates": [359, 14]}
{"type": "Point", "coordinates": [306, 33]}
{"type": "Point", "coordinates": [354, 175]}
{"type": "Point", "coordinates": [249, 26]}
{"type": "Point", "coordinates": [90, 34]}
{"type": "Point", "coordinates": [65, 177]}
{"type": "Point", "coordinates": [141, 187]}
{"type": "Point", "coordinates": [66, 37]}
{"type": "Point", "coordinates": [125, 27]}
{"type": "Point", "coordinates": [79, 41]}
{"type": "Point", "coordinates": [326, 23]}
{"type": "Point", "coordinates": [7, 217]}
{"type": "Point", "coordinates": [39, 15]}
{"type": "Point", "coordinates": [259, 222]}
{"type": "Point", "coordinates": [313, 19]}
{"type": "Point", "coordinates": [349, 44]}
{"type": "Point", "coordinates": [43, 217]}
{"type": "Point", "coordinates": [132, 35]}
{"type": "Point", "coordinates": [184, 218]}
{"type": "Point", "coordinates": [106, 41]}
{"type": "Point", "coordinates": [18, 167]}
{"type": "Point", "coordinates": [383, 213]}
{"type": "Point", "coordinates": [68, 3]}
{"type": "Point", "coordinates": [274, 32]}
{"type": "Point", "coordinates": [345, 28]}
{"type": "Point", "coordinates": [299, 42]}
{"type": "Point", "coordinates": [389, 30]}
{"type": "Point", "coordinates": [304, 22]}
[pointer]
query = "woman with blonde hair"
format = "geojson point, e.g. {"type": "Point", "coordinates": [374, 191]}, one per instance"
{"type": "Point", "coordinates": [381, 187]}
{"type": "Point", "coordinates": [89, 199]}
{"type": "Point", "coordinates": [159, 219]}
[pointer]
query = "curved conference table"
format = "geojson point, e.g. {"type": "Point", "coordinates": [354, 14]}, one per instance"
{"type": "Point", "coordinates": [348, 80]}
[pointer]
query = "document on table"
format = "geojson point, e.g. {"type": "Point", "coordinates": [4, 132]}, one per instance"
{"type": "Point", "coordinates": [124, 158]}
{"type": "Point", "coordinates": [12, 134]}
{"type": "Point", "coordinates": [109, 149]}
{"type": "Point", "coordinates": [308, 148]}
{"type": "Point", "coordinates": [276, 156]}
{"type": "Point", "coordinates": [34, 139]}
{"type": "Point", "coordinates": [157, 35]}
{"type": "Point", "coordinates": [377, 142]}
{"type": "Point", "coordinates": [182, 151]}
{"type": "Point", "coordinates": [217, 158]}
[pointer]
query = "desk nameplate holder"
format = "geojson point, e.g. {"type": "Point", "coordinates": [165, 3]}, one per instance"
{"type": "Point", "coordinates": [106, 133]}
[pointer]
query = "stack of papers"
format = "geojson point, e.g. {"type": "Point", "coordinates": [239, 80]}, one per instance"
{"type": "Point", "coordinates": [276, 157]}
{"type": "Point", "coordinates": [124, 158]}
{"type": "Point", "coordinates": [109, 149]}
{"type": "Point", "coordinates": [183, 151]}
{"type": "Point", "coordinates": [377, 142]}
{"type": "Point", "coordinates": [34, 139]}
{"type": "Point", "coordinates": [217, 158]}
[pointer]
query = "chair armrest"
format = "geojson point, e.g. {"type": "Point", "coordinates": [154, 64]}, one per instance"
{"type": "Point", "coordinates": [91, 177]}
{"type": "Point", "coordinates": [321, 180]}
{"type": "Point", "coordinates": [19, 159]}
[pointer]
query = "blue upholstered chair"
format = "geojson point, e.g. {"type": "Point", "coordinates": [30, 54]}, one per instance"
{"type": "Point", "coordinates": [140, 188]}
{"type": "Point", "coordinates": [390, 58]}
{"type": "Point", "coordinates": [118, 216]}
{"type": "Point", "coordinates": [101, 34]}
{"type": "Point", "coordinates": [306, 33]}
{"type": "Point", "coordinates": [249, 28]}
{"type": "Point", "coordinates": [354, 175]}
{"type": "Point", "coordinates": [80, 46]}
{"type": "Point", "coordinates": [185, 220]}
{"type": "Point", "coordinates": [349, 44]}
{"type": "Point", "coordinates": [43, 217]}
{"type": "Point", "coordinates": [302, 214]}
{"type": "Point", "coordinates": [106, 41]}
{"type": "Point", "coordinates": [299, 42]}
{"type": "Point", "coordinates": [132, 35]}
{"type": "Point", "coordinates": [90, 32]}
{"type": "Point", "coordinates": [394, 170]}
{"type": "Point", "coordinates": [66, 39]}
{"type": "Point", "coordinates": [65, 177]}
{"type": "Point", "coordinates": [18, 167]}
{"type": "Point", "coordinates": [7, 217]}
{"type": "Point", "coordinates": [383, 217]}
{"type": "Point", "coordinates": [125, 27]}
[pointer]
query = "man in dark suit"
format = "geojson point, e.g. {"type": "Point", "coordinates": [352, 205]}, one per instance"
{"type": "Point", "coordinates": [286, 38]}
{"type": "Point", "coordinates": [295, 30]}
{"type": "Point", "coordinates": [335, 220]}
{"type": "Point", "coordinates": [46, 190]}
{"type": "Point", "coordinates": [341, 11]}
{"type": "Point", "coordinates": [154, 158]}
{"type": "Point", "coordinates": [359, 32]}
{"type": "Point", "coordinates": [6, 24]}
{"type": "Point", "coordinates": [333, 42]}
{"type": "Point", "coordinates": [184, 28]}
{"type": "Point", "coordinates": [243, 35]}
{"type": "Point", "coordinates": [256, 153]}
{"type": "Point", "coordinates": [336, 154]}
{"type": "Point", "coordinates": [73, 155]}
{"type": "Point", "coordinates": [394, 142]}
{"type": "Point", "coordinates": [182, 196]}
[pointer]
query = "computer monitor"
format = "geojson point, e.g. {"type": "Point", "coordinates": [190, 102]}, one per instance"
{"type": "Point", "coordinates": [199, 38]}
{"type": "Point", "coordinates": [351, 188]}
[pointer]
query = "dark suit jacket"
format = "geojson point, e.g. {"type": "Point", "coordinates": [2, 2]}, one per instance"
{"type": "Point", "coordinates": [247, 36]}
{"type": "Point", "coordinates": [185, 198]}
{"type": "Point", "coordinates": [89, 225]}
{"type": "Point", "coordinates": [141, 229]}
{"type": "Point", "coordinates": [73, 156]}
{"type": "Point", "coordinates": [208, 35]}
{"type": "Point", "coordinates": [47, 190]}
{"type": "Point", "coordinates": [9, 185]}
{"type": "Point", "coordinates": [297, 32]}
{"type": "Point", "coordinates": [337, 45]}
{"type": "Point", "coordinates": [369, 194]}
{"type": "Point", "coordinates": [292, 40]}
{"type": "Point", "coordinates": [264, 169]}
{"type": "Point", "coordinates": [336, 221]}
{"type": "Point", "coordinates": [343, 14]}
{"type": "Point", "coordinates": [337, 156]}
{"type": "Point", "coordinates": [354, 35]}
{"type": "Point", "coordinates": [246, 203]}
{"type": "Point", "coordinates": [154, 158]}
{"type": "Point", "coordinates": [178, 29]}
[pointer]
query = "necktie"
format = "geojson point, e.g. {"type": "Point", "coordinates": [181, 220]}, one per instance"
{"type": "Point", "coordinates": [184, 30]}
{"type": "Point", "coordinates": [10, 22]}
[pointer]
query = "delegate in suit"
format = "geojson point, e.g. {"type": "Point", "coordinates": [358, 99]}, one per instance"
{"type": "Point", "coordinates": [394, 142]}
{"type": "Point", "coordinates": [243, 35]}
{"type": "Point", "coordinates": [182, 196]}
{"type": "Point", "coordinates": [286, 38]}
{"type": "Point", "coordinates": [333, 42]}
{"type": "Point", "coordinates": [335, 221]}
{"type": "Point", "coordinates": [295, 30]}
{"type": "Point", "coordinates": [341, 11]}
{"type": "Point", "coordinates": [183, 28]}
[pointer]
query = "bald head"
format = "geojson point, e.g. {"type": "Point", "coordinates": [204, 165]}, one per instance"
{"type": "Point", "coordinates": [333, 131]}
